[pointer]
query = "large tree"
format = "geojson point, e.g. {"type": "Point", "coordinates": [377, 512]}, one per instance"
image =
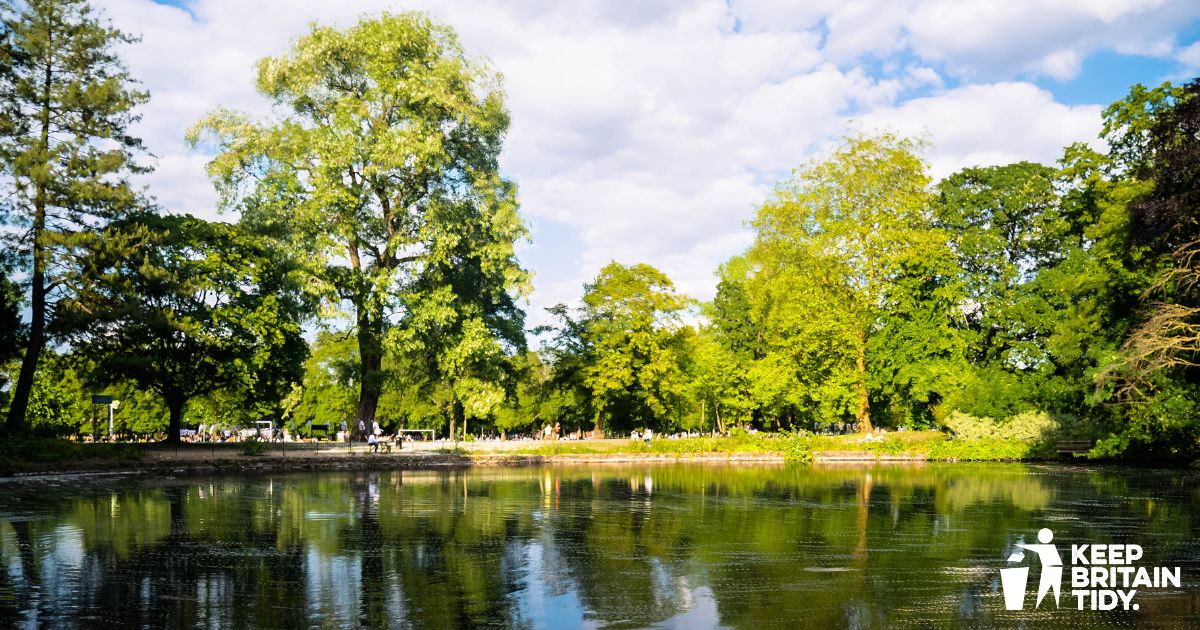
{"type": "Point", "coordinates": [384, 164]}
{"type": "Point", "coordinates": [1165, 345]}
{"type": "Point", "coordinates": [1004, 225]}
{"type": "Point", "coordinates": [632, 327]}
{"type": "Point", "coordinates": [66, 103]}
{"type": "Point", "coordinates": [185, 307]}
{"type": "Point", "coordinates": [833, 243]}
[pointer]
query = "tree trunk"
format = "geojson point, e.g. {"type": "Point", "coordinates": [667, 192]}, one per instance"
{"type": "Point", "coordinates": [864, 402]}
{"type": "Point", "coordinates": [598, 431]}
{"type": "Point", "coordinates": [456, 419]}
{"type": "Point", "coordinates": [176, 421]}
{"type": "Point", "coordinates": [15, 423]}
{"type": "Point", "coordinates": [370, 354]}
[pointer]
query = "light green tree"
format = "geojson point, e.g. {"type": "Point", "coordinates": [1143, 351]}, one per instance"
{"type": "Point", "coordinates": [633, 327]}
{"type": "Point", "coordinates": [830, 246]}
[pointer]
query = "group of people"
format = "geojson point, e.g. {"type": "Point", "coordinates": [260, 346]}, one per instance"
{"type": "Point", "coordinates": [552, 433]}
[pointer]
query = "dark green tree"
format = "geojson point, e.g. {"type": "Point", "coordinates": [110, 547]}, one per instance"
{"type": "Point", "coordinates": [185, 307]}
{"type": "Point", "coordinates": [66, 103]}
{"type": "Point", "coordinates": [12, 328]}
{"type": "Point", "coordinates": [1004, 225]}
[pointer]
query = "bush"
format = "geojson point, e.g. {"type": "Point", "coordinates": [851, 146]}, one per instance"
{"type": "Point", "coordinates": [253, 446]}
{"type": "Point", "coordinates": [981, 450]}
{"type": "Point", "coordinates": [1029, 427]}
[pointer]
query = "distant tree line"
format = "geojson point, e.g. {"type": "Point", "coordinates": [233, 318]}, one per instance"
{"type": "Point", "coordinates": [371, 275]}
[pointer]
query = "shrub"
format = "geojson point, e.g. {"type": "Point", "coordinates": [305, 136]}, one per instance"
{"type": "Point", "coordinates": [253, 447]}
{"type": "Point", "coordinates": [1026, 427]}
{"type": "Point", "coordinates": [979, 450]}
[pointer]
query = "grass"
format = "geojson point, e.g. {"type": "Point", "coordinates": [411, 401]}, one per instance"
{"type": "Point", "coordinates": [26, 453]}
{"type": "Point", "coordinates": [20, 452]}
{"type": "Point", "coordinates": [800, 447]}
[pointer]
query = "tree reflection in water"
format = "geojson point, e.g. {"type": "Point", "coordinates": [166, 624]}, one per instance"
{"type": "Point", "coordinates": [677, 545]}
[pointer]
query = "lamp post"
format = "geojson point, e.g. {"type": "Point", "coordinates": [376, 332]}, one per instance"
{"type": "Point", "coordinates": [100, 399]}
{"type": "Point", "coordinates": [111, 406]}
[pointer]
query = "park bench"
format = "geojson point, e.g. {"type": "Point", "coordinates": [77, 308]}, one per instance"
{"type": "Point", "coordinates": [1073, 447]}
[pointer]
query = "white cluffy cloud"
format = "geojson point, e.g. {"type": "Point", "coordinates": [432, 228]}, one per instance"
{"type": "Point", "coordinates": [649, 131]}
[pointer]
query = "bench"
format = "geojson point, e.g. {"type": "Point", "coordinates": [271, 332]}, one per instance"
{"type": "Point", "coordinates": [1073, 447]}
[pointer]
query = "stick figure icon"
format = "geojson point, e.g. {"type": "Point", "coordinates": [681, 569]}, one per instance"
{"type": "Point", "coordinates": [1051, 565]}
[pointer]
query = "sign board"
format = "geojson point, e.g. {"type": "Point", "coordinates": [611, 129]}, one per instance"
{"type": "Point", "coordinates": [97, 399]}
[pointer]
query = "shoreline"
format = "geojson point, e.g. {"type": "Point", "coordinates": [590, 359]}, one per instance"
{"type": "Point", "coordinates": [168, 463]}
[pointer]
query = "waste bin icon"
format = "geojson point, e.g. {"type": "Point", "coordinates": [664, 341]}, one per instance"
{"type": "Point", "coordinates": [1013, 581]}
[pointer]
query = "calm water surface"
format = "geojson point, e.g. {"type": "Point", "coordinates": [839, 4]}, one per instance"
{"type": "Point", "coordinates": [686, 546]}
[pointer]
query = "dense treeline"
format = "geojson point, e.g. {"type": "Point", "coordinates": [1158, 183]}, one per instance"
{"type": "Point", "coordinates": [371, 213]}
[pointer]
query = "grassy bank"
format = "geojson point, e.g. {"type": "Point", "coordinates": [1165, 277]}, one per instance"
{"type": "Point", "coordinates": [800, 447]}
{"type": "Point", "coordinates": [50, 455]}
{"type": "Point", "coordinates": [19, 453]}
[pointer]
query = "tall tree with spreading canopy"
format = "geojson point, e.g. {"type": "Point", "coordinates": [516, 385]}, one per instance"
{"type": "Point", "coordinates": [1004, 226]}
{"type": "Point", "coordinates": [385, 167]}
{"type": "Point", "coordinates": [66, 104]}
{"type": "Point", "coordinates": [632, 325]}
{"type": "Point", "coordinates": [839, 234]}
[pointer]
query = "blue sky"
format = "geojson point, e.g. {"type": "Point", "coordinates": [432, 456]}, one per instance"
{"type": "Point", "coordinates": [649, 131]}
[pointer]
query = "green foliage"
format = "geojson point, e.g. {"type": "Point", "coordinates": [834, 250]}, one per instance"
{"type": "Point", "coordinates": [984, 450]}
{"type": "Point", "coordinates": [183, 307]}
{"type": "Point", "coordinates": [1031, 427]}
{"type": "Point", "coordinates": [253, 447]}
{"type": "Point", "coordinates": [535, 401]}
{"type": "Point", "coordinates": [66, 103]}
{"type": "Point", "coordinates": [383, 168]}
{"type": "Point", "coordinates": [1128, 124]}
{"type": "Point", "coordinates": [139, 411]}
{"type": "Point", "coordinates": [632, 327]}
{"type": "Point", "coordinates": [58, 403]}
{"type": "Point", "coordinates": [801, 447]}
{"type": "Point", "coordinates": [18, 452]}
{"type": "Point", "coordinates": [327, 393]}
{"type": "Point", "coordinates": [11, 327]}
{"type": "Point", "coordinates": [849, 271]}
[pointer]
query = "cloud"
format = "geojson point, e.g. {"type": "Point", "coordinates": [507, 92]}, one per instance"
{"type": "Point", "coordinates": [1190, 56]}
{"type": "Point", "coordinates": [1000, 39]}
{"type": "Point", "coordinates": [983, 125]}
{"type": "Point", "coordinates": [649, 131]}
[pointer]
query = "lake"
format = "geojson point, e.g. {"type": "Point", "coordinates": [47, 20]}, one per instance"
{"type": "Point", "coordinates": [676, 546]}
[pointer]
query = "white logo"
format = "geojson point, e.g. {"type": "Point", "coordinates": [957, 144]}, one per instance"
{"type": "Point", "coordinates": [1014, 579]}
{"type": "Point", "coordinates": [1102, 576]}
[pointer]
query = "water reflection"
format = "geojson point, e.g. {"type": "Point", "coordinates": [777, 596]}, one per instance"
{"type": "Point", "coordinates": [671, 546]}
